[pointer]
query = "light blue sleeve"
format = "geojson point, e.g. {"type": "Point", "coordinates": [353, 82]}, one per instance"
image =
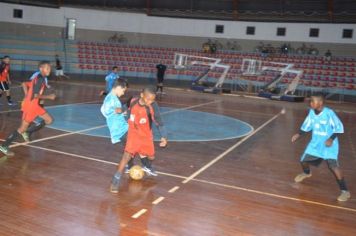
{"type": "Point", "coordinates": [107, 78]}
{"type": "Point", "coordinates": [336, 124]}
{"type": "Point", "coordinates": [307, 125]}
{"type": "Point", "coordinates": [109, 106]}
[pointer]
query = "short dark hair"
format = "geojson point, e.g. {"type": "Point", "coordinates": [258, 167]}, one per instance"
{"type": "Point", "coordinates": [115, 68]}
{"type": "Point", "coordinates": [319, 95]}
{"type": "Point", "coordinates": [121, 83]}
{"type": "Point", "coordinates": [42, 63]}
{"type": "Point", "coordinates": [149, 89]}
{"type": "Point", "coordinates": [6, 56]}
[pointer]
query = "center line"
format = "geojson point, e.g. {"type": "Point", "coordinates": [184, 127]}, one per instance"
{"type": "Point", "coordinates": [139, 213]}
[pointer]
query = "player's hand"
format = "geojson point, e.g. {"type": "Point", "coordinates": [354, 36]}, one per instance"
{"type": "Point", "coordinates": [9, 82]}
{"type": "Point", "coordinates": [329, 142]}
{"type": "Point", "coordinates": [163, 143]}
{"type": "Point", "coordinates": [118, 110]}
{"type": "Point", "coordinates": [295, 137]}
{"type": "Point", "coordinates": [52, 96]}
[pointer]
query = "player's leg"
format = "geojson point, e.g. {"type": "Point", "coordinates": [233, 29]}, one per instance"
{"type": "Point", "coordinates": [46, 119]}
{"type": "Point", "coordinates": [2, 89]}
{"type": "Point", "coordinates": [131, 161]}
{"type": "Point", "coordinates": [336, 170]}
{"type": "Point", "coordinates": [147, 165]}
{"type": "Point", "coordinates": [4, 148]}
{"type": "Point", "coordinates": [115, 182]}
{"type": "Point", "coordinates": [306, 172]}
{"type": "Point", "coordinates": [8, 97]}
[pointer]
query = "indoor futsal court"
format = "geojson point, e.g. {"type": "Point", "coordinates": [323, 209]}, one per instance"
{"type": "Point", "coordinates": [210, 182]}
{"type": "Point", "coordinates": [178, 118]}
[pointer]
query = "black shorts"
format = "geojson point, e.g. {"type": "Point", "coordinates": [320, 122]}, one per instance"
{"type": "Point", "coordinates": [160, 80]}
{"type": "Point", "coordinates": [4, 86]}
{"type": "Point", "coordinates": [316, 161]}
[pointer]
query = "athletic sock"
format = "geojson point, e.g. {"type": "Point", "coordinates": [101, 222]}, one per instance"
{"type": "Point", "coordinates": [12, 137]}
{"type": "Point", "coordinates": [116, 177]}
{"type": "Point", "coordinates": [36, 126]}
{"type": "Point", "coordinates": [342, 184]}
{"type": "Point", "coordinates": [130, 163]}
{"type": "Point", "coordinates": [306, 168]}
{"type": "Point", "coordinates": [146, 162]}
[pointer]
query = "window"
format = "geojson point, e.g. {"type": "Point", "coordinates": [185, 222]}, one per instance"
{"type": "Point", "coordinates": [18, 13]}
{"type": "Point", "coordinates": [219, 29]}
{"type": "Point", "coordinates": [250, 30]}
{"type": "Point", "coordinates": [347, 33]}
{"type": "Point", "coordinates": [281, 31]}
{"type": "Point", "coordinates": [314, 32]}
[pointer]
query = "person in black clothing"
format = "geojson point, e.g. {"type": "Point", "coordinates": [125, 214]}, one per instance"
{"type": "Point", "coordinates": [59, 69]}
{"type": "Point", "coordinates": [161, 69]}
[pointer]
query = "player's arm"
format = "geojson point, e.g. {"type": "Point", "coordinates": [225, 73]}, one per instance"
{"type": "Point", "coordinates": [305, 128]}
{"type": "Point", "coordinates": [337, 127]}
{"type": "Point", "coordinates": [45, 97]}
{"type": "Point", "coordinates": [25, 87]}
{"type": "Point", "coordinates": [160, 125]}
{"type": "Point", "coordinates": [8, 79]}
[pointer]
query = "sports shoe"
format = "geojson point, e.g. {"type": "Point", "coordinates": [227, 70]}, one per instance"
{"type": "Point", "coordinates": [6, 151]}
{"type": "Point", "coordinates": [150, 171]}
{"type": "Point", "coordinates": [10, 103]}
{"type": "Point", "coordinates": [299, 178]}
{"type": "Point", "coordinates": [344, 196]}
{"type": "Point", "coordinates": [127, 169]}
{"type": "Point", "coordinates": [26, 136]}
{"type": "Point", "coordinates": [115, 182]}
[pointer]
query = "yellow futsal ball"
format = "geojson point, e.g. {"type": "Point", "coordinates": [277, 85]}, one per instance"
{"type": "Point", "coordinates": [136, 172]}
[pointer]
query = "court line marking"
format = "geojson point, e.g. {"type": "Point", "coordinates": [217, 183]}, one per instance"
{"type": "Point", "coordinates": [54, 106]}
{"type": "Point", "coordinates": [56, 136]}
{"type": "Point", "coordinates": [233, 147]}
{"type": "Point", "coordinates": [139, 213]}
{"type": "Point", "coordinates": [94, 159]}
{"type": "Point", "coordinates": [174, 189]}
{"type": "Point", "coordinates": [101, 126]}
{"type": "Point", "coordinates": [158, 200]}
{"type": "Point", "coordinates": [276, 195]}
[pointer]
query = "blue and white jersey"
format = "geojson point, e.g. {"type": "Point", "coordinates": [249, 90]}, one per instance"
{"type": "Point", "coordinates": [116, 123]}
{"type": "Point", "coordinates": [110, 80]}
{"type": "Point", "coordinates": [322, 126]}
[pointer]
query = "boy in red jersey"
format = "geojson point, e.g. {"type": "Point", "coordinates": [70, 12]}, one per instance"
{"type": "Point", "coordinates": [143, 112]}
{"type": "Point", "coordinates": [31, 108]}
{"type": "Point", "coordinates": [5, 79]}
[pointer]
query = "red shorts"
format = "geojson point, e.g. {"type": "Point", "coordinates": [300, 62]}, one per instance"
{"type": "Point", "coordinates": [31, 110]}
{"type": "Point", "coordinates": [143, 146]}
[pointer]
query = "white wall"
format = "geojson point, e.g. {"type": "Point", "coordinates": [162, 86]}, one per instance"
{"type": "Point", "coordinates": [140, 23]}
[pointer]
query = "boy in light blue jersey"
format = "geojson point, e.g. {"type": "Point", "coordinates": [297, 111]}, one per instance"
{"type": "Point", "coordinates": [110, 80]}
{"type": "Point", "coordinates": [114, 112]}
{"type": "Point", "coordinates": [325, 126]}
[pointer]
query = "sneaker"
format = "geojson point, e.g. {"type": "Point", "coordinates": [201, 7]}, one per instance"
{"type": "Point", "coordinates": [26, 136]}
{"type": "Point", "coordinates": [127, 169]}
{"type": "Point", "coordinates": [150, 171]}
{"type": "Point", "coordinates": [344, 196]}
{"type": "Point", "coordinates": [10, 103]}
{"type": "Point", "coordinates": [114, 187]}
{"type": "Point", "coordinates": [299, 178]}
{"type": "Point", "coordinates": [6, 151]}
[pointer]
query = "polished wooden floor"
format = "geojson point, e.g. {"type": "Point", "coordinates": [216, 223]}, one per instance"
{"type": "Point", "coordinates": [59, 186]}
